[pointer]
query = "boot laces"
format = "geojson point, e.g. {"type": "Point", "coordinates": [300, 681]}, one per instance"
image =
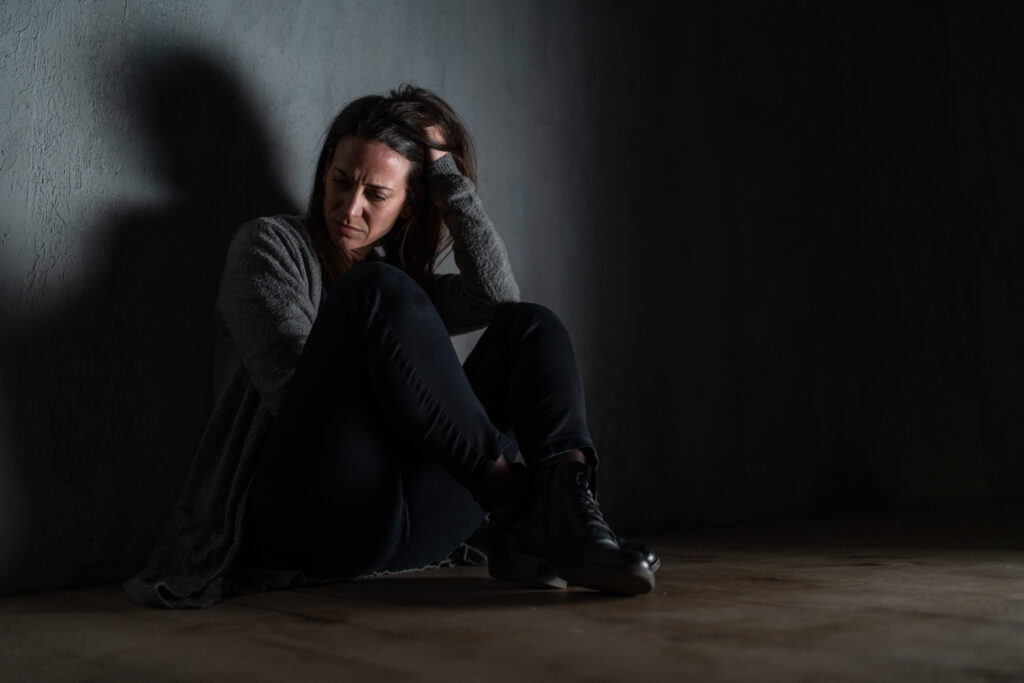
{"type": "Point", "coordinates": [591, 521]}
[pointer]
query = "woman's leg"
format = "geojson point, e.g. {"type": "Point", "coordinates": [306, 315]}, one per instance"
{"type": "Point", "coordinates": [549, 529]}
{"type": "Point", "coordinates": [379, 428]}
{"type": "Point", "coordinates": [524, 371]}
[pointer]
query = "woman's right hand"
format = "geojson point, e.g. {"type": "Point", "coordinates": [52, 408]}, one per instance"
{"type": "Point", "coordinates": [435, 135]}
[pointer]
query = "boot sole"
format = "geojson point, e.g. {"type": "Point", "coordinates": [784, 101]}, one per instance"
{"type": "Point", "coordinates": [630, 580]}
{"type": "Point", "coordinates": [526, 569]}
{"type": "Point", "coordinates": [634, 580]}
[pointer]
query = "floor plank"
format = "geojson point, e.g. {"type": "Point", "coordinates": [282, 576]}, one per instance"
{"type": "Point", "coordinates": [830, 600]}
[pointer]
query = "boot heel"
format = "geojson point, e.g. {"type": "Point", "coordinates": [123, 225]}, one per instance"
{"type": "Point", "coordinates": [526, 569]}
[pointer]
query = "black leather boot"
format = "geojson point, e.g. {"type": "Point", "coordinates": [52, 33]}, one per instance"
{"type": "Point", "coordinates": [564, 533]}
{"type": "Point", "coordinates": [507, 503]}
{"type": "Point", "coordinates": [646, 552]}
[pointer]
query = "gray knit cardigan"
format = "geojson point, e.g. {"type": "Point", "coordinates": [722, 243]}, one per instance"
{"type": "Point", "coordinates": [268, 299]}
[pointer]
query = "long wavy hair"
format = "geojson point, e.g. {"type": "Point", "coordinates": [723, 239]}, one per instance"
{"type": "Point", "coordinates": [416, 243]}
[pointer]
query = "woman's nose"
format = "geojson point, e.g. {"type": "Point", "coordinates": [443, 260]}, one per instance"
{"type": "Point", "coordinates": [353, 207]}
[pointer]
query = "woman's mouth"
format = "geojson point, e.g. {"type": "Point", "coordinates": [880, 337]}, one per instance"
{"type": "Point", "coordinates": [348, 229]}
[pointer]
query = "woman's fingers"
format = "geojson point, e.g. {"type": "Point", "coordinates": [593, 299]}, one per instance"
{"type": "Point", "coordinates": [435, 135]}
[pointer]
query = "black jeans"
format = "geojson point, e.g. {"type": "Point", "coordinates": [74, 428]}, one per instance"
{"type": "Point", "coordinates": [382, 435]}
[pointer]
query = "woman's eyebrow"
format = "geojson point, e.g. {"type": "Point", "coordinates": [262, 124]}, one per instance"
{"type": "Point", "coordinates": [376, 187]}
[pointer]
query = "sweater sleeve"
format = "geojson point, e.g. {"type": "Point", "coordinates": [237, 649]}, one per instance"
{"type": "Point", "coordinates": [466, 301]}
{"type": "Point", "coordinates": [266, 301]}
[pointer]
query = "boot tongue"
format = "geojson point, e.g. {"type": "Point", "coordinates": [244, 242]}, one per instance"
{"type": "Point", "coordinates": [576, 476]}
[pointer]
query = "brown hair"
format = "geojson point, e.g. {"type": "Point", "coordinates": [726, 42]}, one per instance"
{"type": "Point", "coordinates": [398, 121]}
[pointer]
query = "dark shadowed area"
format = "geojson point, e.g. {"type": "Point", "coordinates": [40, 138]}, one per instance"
{"type": "Point", "coordinates": [821, 314]}
{"type": "Point", "coordinates": [113, 382]}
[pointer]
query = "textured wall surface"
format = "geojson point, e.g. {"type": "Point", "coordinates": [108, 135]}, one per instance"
{"type": "Point", "coordinates": [785, 238]}
{"type": "Point", "coordinates": [136, 137]}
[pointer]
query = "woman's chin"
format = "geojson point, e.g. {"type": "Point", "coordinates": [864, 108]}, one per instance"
{"type": "Point", "coordinates": [343, 242]}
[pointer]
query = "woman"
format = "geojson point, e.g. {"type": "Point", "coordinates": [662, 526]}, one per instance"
{"type": "Point", "coordinates": [346, 439]}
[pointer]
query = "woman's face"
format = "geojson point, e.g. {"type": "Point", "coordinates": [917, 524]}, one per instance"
{"type": "Point", "coordinates": [364, 194]}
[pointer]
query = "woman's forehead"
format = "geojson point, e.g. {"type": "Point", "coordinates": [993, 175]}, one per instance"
{"type": "Point", "coordinates": [373, 162]}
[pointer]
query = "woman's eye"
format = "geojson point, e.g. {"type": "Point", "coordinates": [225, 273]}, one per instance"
{"type": "Point", "coordinates": [377, 197]}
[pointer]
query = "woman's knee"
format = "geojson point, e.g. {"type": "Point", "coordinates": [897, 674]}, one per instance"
{"type": "Point", "coordinates": [373, 275]}
{"type": "Point", "coordinates": [525, 317]}
{"type": "Point", "coordinates": [380, 284]}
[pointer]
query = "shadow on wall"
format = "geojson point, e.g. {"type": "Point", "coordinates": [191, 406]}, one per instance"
{"type": "Point", "coordinates": [113, 388]}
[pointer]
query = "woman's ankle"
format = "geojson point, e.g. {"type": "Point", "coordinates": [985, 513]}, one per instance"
{"type": "Point", "coordinates": [501, 469]}
{"type": "Point", "coordinates": [569, 456]}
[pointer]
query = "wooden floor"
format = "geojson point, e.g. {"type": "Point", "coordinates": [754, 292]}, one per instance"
{"type": "Point", "coordinates": [938, 596]}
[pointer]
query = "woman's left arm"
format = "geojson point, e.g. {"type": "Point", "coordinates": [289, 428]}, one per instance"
{"type": "Point", "coordinates": [466, 301]}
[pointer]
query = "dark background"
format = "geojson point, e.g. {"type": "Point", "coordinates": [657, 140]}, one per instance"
{"type": "Point", "coordinates": [827, 295]}
{"type": "Point", "coordinates": [784, 236]}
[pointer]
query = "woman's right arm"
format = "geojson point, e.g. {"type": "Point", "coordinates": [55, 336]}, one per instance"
{"type": "Point", "coordinates": [267, 302]}
{"type": "Point", "coordinates": [467, 300]}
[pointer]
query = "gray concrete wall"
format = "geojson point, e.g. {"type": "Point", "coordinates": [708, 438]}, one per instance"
{"type": "Point", "coordinates": [136, 137]}
{"type": "Point", "coordinates": [772, 230]}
